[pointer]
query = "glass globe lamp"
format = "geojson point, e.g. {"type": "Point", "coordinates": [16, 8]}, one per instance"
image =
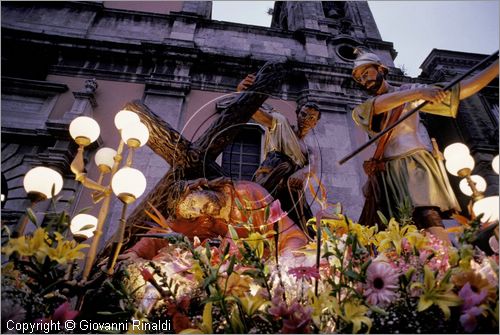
{"type": "Point", "coordinates": [124, 117]}
{"type": "Point", "coordinates": [104, 159]}
{"type": "Point", "coordinates": [38, 183]}
{"type": "Point", "coordinates": [489, 207]}
{"type": "Point", "coordinates": [83, 225]}
{"type": "Point", "coordinates": [128, 184]}
{"type": "Point", "coordinates": [135, 134]}
{"type": "Point", "coordinates": [494, 164]}
{"type": "Point", "coordinates": [84, 130]}
{"type": "Point", "coordinates": [460, 166]}
{"type": "Point", "coordinates": [455, 150]}
{"type": "Point", "coordinates": [467, 190]}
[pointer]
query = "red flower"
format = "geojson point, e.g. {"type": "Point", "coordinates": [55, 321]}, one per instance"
{"type": "Point", "coordinates": [307, 272]}
{"type": "Point", "coordinates": [146, 275]}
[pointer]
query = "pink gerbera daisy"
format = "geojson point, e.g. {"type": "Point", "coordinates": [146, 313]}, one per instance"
{"type": "Point", "coordinates": [381, 283]}
{"type": "Point", "coordinates": [307, 272]}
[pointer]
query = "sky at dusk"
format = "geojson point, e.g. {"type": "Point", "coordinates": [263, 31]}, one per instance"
{"type": "Point", "coordinates": [415, 27]}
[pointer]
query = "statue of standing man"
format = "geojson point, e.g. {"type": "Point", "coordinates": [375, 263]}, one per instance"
{"type": "Point", "coordinates": [408, 171]}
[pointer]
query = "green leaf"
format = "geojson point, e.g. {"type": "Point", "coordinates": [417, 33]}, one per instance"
{"type": "Point", "coordinates": [351, 274]}
{"type": "Point", "coordinates": [238, 203]}
{"type": "Point", "coordinates": [424, 303]}
{"type": "Point", "coordinates": [231, 265]}
{"type": "Point", "coordinates": [233, 233]}
{"type": "Point", "coordinates": [53, 190]}
{"type": "Point", "coordinates": [89, 226]}
{"type": "Point", "coordinates": [31, 216]}
{"type": "Point", "coordinates": [446, 277]}
{"type": "Point", "coordinates": [84, 210]}
{"type": "Point", "coordinates": [378, 310]}
{"type": "Point", "coordinates": [252, 273]}
{"type": "Point", "coordinates": [208, 253]}
{"type": "Point", "coordinates": [226, 249]}
{"type": "Point", "coordinates": [267, 213]}
{"type": "Point", "coordinates": [383, 219]}
{"type": "Point", "coordinates": [365, 265]}
{"type": "Point", "coordinates": [329, 233]}
{"type": "Point", "coordinates": [236, 323]}
{"type": "Point", "coordinates": [328, 254]}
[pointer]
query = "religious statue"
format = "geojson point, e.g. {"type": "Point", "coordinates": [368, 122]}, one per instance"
{"type": "Point", "coordinates": [290, 156]}
{"type": "Point", "coordinates": [191, 161]}
{"type": "Point", "coordinates": [206, 209]}
{"type": "Point", "coordinates": [407, 170]}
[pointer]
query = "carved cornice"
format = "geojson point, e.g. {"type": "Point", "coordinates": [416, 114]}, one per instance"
{"type": "Point", "coordinates": [168, 85]}
{"type": "Point", "coordinates": [32, 87]}
{"type": "Point", "coordinates": [450, 59]}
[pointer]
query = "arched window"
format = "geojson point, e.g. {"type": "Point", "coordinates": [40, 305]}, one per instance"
{"type": "Point", "coordinates": [241, 159]}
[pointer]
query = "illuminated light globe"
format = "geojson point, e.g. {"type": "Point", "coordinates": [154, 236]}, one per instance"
{"type": "Point", "coordinates": [135, 134]}
{"type": "Point", "coordinates": [458, 163]}
{"type": "Point", "coordinates": [487, 206]}
{"type": "Point", "coordinates": [84, 130]}
{"type": "Point", "coordinates": [128, 182]}
{"type": "Point", "coordinates": [41, 180]}
{"type": "Point", "coordinates": [124, 117]}
{"type": "Point", "coordinates": [456, 151]}
{"type": "Point", "coordinates": [86, 221]}
{"type": "Point", "coordinates": [494, 164]}
{"type": "Point", "coordinates": [480, 185]}
{"type": "Point", "coordinates": [105, 157]}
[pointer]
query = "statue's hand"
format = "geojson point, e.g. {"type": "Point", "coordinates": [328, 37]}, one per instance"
{"type": "Point", "coordinates": [432, 94]}
{"type": "Point", "coordinates": [197, 183]}
{"type": "Point", "coordinates": [245, 83]}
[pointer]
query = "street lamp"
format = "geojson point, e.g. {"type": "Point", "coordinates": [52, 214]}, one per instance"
{"type": "Point", "coordinates": [494, 164]}
{"type": "Point", "coordinates": [40, 183]}
{"type": "Point", "coordinates": [83, 226]}
{"type": "Point", "coordinates": [134, 134]}
{"type": "Point", "coordinates": [128, 184]}
{"type": "Point", "coordinates": [460, 163]}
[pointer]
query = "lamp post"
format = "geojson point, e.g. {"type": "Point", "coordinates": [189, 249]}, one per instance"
{"type": "Point", "coordinates": [460, 163]}
{"type": "Point", "coordinates": [40, 183]}
{"type": "Point", "coordinates": [128, 184]}
{"type": "Point", "coordinates": [84, 131]}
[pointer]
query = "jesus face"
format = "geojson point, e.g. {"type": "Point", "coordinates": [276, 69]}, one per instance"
{"type": "Point", "coordinates": [198, 203]}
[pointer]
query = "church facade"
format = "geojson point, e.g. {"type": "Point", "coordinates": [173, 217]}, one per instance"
{"type": "Point", "coordinates": [61, 60]}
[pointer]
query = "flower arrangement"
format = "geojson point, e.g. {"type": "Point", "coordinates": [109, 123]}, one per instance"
{"type": "Point", "coordinates": [398, 279]}
{"type": "Point", "coordinates": [37, 278]}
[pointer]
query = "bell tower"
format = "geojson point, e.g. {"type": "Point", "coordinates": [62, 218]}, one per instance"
{"type": "Point", "coordinates": [332, 28]}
